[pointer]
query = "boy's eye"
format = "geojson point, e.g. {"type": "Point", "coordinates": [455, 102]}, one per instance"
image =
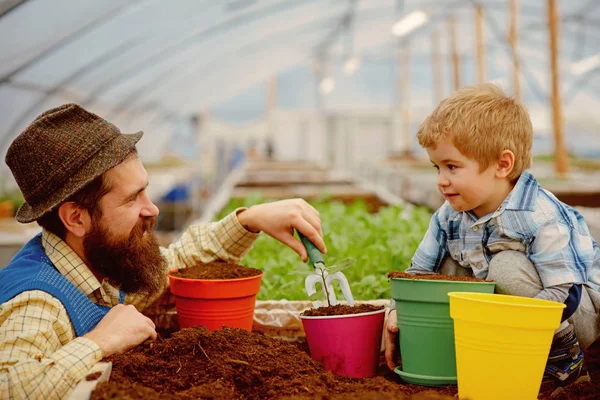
{"type": "Point", "coordinates": [451, 167]}
{"type": "Point", "coordinates": [436, 167]}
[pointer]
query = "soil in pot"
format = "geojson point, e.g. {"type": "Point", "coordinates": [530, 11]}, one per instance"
{"type": "Point", "coordinates": [215, 294]}
{"type": "Point", "coordinates": [341, 309]}
{"type": "Point", "coordinates": [433, 277]}
{"type": "Point", "coordinates": [217, 270]}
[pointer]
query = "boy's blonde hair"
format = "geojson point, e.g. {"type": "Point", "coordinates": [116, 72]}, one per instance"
{"type": "Point", "coordinates": [482, 121]}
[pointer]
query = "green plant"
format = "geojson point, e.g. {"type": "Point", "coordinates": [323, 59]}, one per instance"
{"type": "Point", "coordinates": [378, 242]}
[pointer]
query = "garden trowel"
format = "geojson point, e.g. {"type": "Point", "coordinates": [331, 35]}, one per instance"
{"type": "Point", "coordinates": [321, 274]}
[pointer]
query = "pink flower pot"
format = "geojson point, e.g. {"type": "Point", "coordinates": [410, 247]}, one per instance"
{"type": "Point", "coordinates": [347, 345]}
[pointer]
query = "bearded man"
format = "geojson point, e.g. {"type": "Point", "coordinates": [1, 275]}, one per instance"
{"type": "Point", "coordinates": [94, 282]}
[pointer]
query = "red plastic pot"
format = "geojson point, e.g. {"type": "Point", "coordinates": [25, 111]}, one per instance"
{"type": "Point", "coordinates": [215, 303]}
{"type": "Point", "coordinates": [347, 345]}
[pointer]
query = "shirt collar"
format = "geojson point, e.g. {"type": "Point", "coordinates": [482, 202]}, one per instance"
{"type": "Point", "coordinates": [523, 197]}
{"type": "Point", "coordinates": [69, 264]}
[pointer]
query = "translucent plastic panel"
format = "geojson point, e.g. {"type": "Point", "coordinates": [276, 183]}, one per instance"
{"type": "Point", "coordinates": [224, 48]}
{"type": "Point", "coordinates": [13, 102]}
{"type": "Point", "coordinates": [131, 28]}
{"type": "Point", "coordinates": [36, 26]}
{"type": "Point", "coordinates": [171, 36]}
{"type": "Point", "coordinates": [217, 85]}
{"type": "Point", "coordinates": [23, 116]}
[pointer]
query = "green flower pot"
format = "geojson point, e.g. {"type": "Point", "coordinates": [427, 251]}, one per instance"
{"type": "Point", "coordinates": [426, 329]}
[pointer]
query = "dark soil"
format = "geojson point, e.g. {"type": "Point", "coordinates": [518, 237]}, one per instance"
{"type": "Point", "coordinates": [93, 377]}
{"type": "Point", "coordinates": [235, 364]}
{"type": "Point", "coordinates": [583, 199]}
{"type": "Point", "coordinates": [292, 182]}
{"type": "Point", "coordinates": [341, 309]}
{"type": "Point", "coordinates": [373, 202]}
{"type": "Point", "coordinates": [584, 391]}
{"type": "Point", "coordinates": [434, 277]}
{"type": "Point", "coordinates": [217, 270]}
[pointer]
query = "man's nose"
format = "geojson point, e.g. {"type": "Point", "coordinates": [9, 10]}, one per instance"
{"type": "Point", "coordinates": [149, 209]}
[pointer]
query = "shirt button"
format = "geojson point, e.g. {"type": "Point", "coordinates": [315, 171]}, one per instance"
{"type": "Point", "coordinates": [475, 228]}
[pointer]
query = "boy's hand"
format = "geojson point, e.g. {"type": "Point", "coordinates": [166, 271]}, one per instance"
{"type": "Point", "coordinates": [391, 340]}
{"type": "Point", "coordinates": [279, 219]}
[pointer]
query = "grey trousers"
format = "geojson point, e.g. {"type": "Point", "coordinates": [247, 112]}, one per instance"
{"type": "Point", "coordinates": [515, 275]}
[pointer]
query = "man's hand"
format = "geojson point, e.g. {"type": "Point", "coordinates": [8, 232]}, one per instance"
{"type": "Point", "coordinates": [122, 328]}
{"type": "Point", "coordinates": [280, 218]}
{"type": "Point", "coordinates": [391, 340]}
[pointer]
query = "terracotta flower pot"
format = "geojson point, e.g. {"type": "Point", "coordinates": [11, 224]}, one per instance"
{"type": "Point", "coordinates": [215, 303]}
{"type": "Point", "coordinates": [347, 345]}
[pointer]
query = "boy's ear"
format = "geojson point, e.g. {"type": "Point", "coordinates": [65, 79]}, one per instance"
{"type": "Point", "coordinates": [75, 219]}
{"type": "Point", "coordinates": [505, 164]}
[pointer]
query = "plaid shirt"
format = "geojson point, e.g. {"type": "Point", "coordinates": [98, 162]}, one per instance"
{"type": "Point", "coordinates": [40, 355]}
{"type": "Point", "coordinates": [553, 235]}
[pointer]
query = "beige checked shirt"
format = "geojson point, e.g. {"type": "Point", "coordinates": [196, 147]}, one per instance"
{"type": "Point", "coordinates": [40, 355]}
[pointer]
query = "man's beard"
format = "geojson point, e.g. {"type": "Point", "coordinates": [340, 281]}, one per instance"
{"type": "Point", "coordinates": [134, 264]}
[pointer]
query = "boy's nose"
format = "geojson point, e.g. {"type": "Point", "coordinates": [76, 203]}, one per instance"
{"type": "Point", "coordinates": [442, 180]}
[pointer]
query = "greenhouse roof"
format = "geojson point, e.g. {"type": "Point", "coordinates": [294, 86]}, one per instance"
{"type": "Point", "coordinates": [146, 64]}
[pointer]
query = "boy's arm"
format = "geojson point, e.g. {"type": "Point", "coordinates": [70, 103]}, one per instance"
{"type": "Point", "coordinates": [562, 257]}
{"type": "Point", "coordinates": [34, 363]}
{"type": "Point", "coordinates": [431, 250]}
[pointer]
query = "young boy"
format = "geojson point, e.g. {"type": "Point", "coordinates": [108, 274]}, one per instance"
{"type": "Point", "coordinates": [497, 223]}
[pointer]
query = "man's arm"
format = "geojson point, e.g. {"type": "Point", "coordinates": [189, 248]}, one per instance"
{"type": "Point", "coordinates": [224, 240]}
{"type": "Point", "coordinates": [40, 358]}
{"type": "Point", "coordinates": [230, 239]}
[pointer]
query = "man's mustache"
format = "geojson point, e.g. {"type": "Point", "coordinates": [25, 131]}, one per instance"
{"type": "Point", "coordinates": [145, 225]}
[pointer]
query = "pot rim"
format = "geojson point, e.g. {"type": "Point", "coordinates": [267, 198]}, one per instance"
{"type": "Point", "coordinates": [343, 316]}
{"type": "Point", "coordinates": [443, 280]}
{"type": "Point", "coordinates": [214, 280]}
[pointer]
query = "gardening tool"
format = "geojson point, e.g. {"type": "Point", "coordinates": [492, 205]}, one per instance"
{"type": "Point", "coordinates": [323, 277]}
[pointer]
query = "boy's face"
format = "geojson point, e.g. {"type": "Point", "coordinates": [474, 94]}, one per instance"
{"type": "Point", "coordinates": [461, 182]}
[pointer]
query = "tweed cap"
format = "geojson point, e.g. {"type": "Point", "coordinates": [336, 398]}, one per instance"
{"type": "Point", "coordinates": [59, 153]}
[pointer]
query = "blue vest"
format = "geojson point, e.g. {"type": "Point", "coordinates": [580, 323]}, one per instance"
{"type": "Point", "coordinates": [31, 269]}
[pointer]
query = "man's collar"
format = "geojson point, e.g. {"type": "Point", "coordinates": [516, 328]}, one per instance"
{"type": "Point", "coordinates": [69, 264]}
{"type": "Point", "coordinates": [523, 197]}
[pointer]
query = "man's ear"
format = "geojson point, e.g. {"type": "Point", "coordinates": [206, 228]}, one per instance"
{"type": "Point", "coordinates": [75, 219]}
{"type": "Point", "coordinates": [505, 164]}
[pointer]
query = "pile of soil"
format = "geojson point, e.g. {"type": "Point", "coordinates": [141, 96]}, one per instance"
{"type": "Point", "coordinates": [217, 270]}
{"type": "Point", "coordinates": [341, 309]}
{"type": "Point", "coordinates": [235, 364]}
{"type": "Point", "coordinates": [433, 277]}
